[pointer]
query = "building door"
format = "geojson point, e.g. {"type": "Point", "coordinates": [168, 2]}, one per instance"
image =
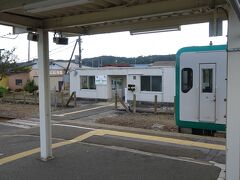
{"type": "Point", "coordinates": [117, 87]}
{"type": "Point", "coordinates": [207, 92]}
{"type": "Point", "coordinates": [60, 85]}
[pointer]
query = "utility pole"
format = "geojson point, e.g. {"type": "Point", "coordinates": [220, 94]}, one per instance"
{"type": "Point", "coordinates": [80, 51]}
{"type": "Point", "coordinates": [69, 62]}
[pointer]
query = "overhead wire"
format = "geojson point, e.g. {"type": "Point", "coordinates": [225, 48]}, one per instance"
{"type": "Point", "coordinates": [61, 50]}
{"type": "Point", "coordinates": [52, 53]}
{"type": "Point", "coordinates": [61, 46]}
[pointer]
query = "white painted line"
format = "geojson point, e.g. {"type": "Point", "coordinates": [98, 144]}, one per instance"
{"type": "Point", "coordinates": [19, 135]}
{"type": "Point", "coordinates": [117, 148]}
{"type": "Point", "coordinates": [20, 123]}
{"type": "Point", "coordinates": [28, 135]}
{"type": "Point", "coordinates": [16, 125]}
{"type": "Point", "coordinates": [222, 174]}
{"type": "Point", "coordinates": [72, 126]}
{"type": "Point", "coordinates": [84, 110]}
{"type": "Point", "coordinates": [24, 122]}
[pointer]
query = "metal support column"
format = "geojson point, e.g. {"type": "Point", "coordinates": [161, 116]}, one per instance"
{"type": "Point", "coordinates": [233, 99]}
{"type": "Point", "coordinates": [44, 96]}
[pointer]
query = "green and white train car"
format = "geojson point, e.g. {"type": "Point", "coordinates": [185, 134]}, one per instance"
{"type": "Point", "coordinates": [201, 87]}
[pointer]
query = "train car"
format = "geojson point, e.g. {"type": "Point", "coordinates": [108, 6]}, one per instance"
{"type": "Point", "coordinates": [201, 88]}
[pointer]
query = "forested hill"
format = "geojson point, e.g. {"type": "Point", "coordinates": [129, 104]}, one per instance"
{"type": "Point", "coordinates": [110, 60]}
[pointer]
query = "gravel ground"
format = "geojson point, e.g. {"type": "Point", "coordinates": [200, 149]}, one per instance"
{"type": "Point", "coordinates": [164, 122]}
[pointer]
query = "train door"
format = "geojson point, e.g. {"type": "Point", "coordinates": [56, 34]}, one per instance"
{"type": "Point", "coordinates": [207, 92]}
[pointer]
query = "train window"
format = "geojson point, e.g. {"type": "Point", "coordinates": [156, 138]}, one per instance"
{"type": "Point", "coordinates": [187, 79]}
{"type": "Point", "coordinates": [207, 83]}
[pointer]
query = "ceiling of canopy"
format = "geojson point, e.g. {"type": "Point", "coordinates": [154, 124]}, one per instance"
{"type": "Point", "coordinates": [103, 16]}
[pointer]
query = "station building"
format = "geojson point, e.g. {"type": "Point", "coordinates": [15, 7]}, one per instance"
{"type": "Point", "coordinates": [102, 83]}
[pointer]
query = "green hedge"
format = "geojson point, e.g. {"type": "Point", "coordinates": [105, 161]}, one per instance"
{"type": "Point", "coordinates": [30, 86]}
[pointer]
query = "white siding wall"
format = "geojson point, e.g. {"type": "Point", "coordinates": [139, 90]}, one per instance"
{"type": "Point", "coordinates": [168, 85]}
{"type": "Point", "coordinates": [104, 91]}
{"type": "Point", "coordinates": [101, 91]}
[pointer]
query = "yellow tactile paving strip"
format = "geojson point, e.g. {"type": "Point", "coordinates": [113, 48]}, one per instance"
{"type": "Point", "coordinates": [116, 133]}
{"type": "Point", "coordinates": [36, 150]}
{"type": "Point", "coordinates": [164, 139]}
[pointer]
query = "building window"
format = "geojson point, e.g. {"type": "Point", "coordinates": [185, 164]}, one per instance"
{"type": "Point", "coordinates": [88, 82]}
{"type": "Point", "coordinates": [18, 82]}
{"type": "Point", "coordinates": [151, 83]}
{"type": "Point", "coordinates": [187, 79]}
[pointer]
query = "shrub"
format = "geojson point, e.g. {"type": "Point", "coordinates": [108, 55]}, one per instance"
{"type": "Point", "coordinates": [2, 91]}
{"type": "Point", "coordinates": [30, 86]}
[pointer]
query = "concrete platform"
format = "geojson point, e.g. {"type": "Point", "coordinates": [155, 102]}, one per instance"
{"type": "Point", "coordinates": [88, 154]}
{"type": "Point", "coordinates": [89, 162]}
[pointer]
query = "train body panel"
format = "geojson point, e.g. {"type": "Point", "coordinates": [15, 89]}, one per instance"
{"type": "Point", "coordinates": [201, 86]}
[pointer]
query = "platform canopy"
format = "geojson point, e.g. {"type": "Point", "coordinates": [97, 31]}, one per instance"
{"type": "Point", "coordinates": [84, 17]}
{"type": "Point", "coordinates": [102, 16]}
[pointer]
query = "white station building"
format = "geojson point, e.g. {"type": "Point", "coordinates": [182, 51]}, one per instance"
{"type": "Point", "coordinates": [102, 83]}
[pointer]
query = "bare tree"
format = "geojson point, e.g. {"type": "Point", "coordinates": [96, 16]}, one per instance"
{"type": "Point", "coordinates": [7, 62]}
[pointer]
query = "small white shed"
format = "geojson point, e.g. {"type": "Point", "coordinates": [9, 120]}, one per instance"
{"type": "Point", "coordinates": [102, 83]}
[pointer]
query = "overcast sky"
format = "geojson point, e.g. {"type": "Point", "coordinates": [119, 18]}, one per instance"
{"type": "Point", "coordinates": [118, 44]}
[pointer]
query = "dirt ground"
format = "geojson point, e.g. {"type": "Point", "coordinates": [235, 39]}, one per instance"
{"type": "Point", "coordinates": [19, 111]}
{"type": "Point", "coordinates": [152, 121]}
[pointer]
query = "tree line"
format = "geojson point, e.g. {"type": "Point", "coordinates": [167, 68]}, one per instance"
{"type": "Point", "coordinates": [111, 60]}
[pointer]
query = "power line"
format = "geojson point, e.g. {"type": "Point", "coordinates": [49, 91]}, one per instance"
{"type": "Point", "coordinates": [51, 51]}
{"type": "Point", "coordinates": [61, 50]}
{"type": "Point", "coordinates": [55, 52]}
{"type": "Point", "coordinates": [61, 46]}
